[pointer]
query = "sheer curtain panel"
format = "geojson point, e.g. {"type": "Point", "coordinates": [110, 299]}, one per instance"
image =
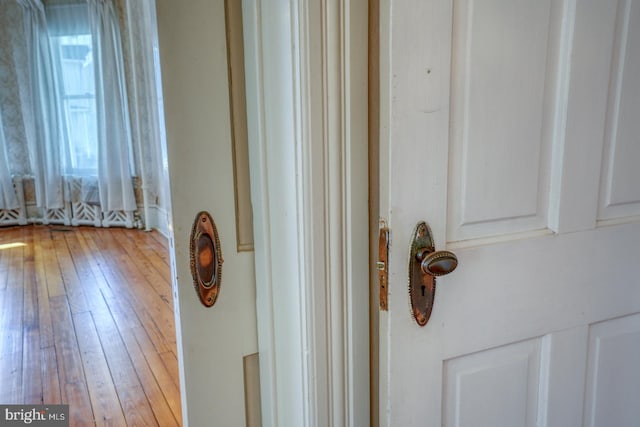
{"type": "Point", "coordinates": [8, 198]}
{"type": "Point", "coordinates": [43, 120]}
{"type": "Point", "coordinates": [114, 132]}
{"type": "Point", "coordinates": [141, 55]}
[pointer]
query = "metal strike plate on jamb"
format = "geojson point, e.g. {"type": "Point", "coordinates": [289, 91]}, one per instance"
{"type": "Point", "coordinates": [382, 264]}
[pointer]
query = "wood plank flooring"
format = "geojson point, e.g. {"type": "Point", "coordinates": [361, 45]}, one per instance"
{"type": "Point", "coordinates": [86, 319]}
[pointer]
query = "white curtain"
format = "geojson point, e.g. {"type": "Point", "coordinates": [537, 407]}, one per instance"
{"type": "Point", "coordinates": [58, 126]}
{"type": "Point", "coordinates": [43, 121]}
{"type": "Point", "coordinates": [8, 198]}
{"type": "Point", "coordinates": [114, 133]}
{"type": "Point", "coordinates": [140, 39]}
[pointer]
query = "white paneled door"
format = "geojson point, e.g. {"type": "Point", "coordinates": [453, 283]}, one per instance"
{"type": "Point", "coordinates": [513, 128]}
{"type": "Point", "coordinates": [216, 345]}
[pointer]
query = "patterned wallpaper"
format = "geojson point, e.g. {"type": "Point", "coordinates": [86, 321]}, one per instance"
{"type": "Point", "coordinates": [13, 63]}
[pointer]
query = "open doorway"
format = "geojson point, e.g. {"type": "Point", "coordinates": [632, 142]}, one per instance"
{"type": "Point", "coordinates": [86, 296]}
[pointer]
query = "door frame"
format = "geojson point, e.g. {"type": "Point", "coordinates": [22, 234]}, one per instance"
{"type": "Point", "coordinates": [306, 77]}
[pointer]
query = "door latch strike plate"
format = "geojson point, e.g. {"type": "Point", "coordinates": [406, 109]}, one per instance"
{"type": "Point", "coordinates": [383, 264]}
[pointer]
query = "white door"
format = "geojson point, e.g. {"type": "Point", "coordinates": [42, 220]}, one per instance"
{"type": "Point", "coordinates": [512, 127]}
{"type": "Point", "coordinates": [212, 342]}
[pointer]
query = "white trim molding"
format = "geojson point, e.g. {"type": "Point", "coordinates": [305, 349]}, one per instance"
{"type": "Point", "coordinates": [306, 75]}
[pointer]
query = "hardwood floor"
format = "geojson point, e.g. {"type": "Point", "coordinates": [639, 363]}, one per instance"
{"type": "Point", "coordinates": [86, 319]}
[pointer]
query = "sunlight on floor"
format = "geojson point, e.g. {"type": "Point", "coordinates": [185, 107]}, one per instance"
{"type": "Point", "coordinates": [12, 245]}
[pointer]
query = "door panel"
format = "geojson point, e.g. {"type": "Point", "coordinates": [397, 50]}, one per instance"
{"type": "Point", "coordinates": [493, 387]}
{"type": "Point", "coordinates": [614, 346]}
{"type": "Point", "coordinates": [501, 105]}
{"type": "Point", "coordinates": [212, 342]}
{"type": "Point", "coordinates": [620, 193]}
{"type": "Point", "coordinates": [510, 132]}
{"type": "Point", "coordinates": [510, 385]}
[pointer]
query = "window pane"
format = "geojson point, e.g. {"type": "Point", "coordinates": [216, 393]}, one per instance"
{"type": "Point", "coordinates": [78, 97]}
{"type": "Point", "coordinates": [77, 65]}
{"type": "Point", "coordinates": [81, 116]}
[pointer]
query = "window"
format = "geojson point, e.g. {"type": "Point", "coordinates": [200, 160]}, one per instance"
{"type": "Point", "coordinates": [77, 94]}
{"type": "Point", "coordinates": [72, 50]}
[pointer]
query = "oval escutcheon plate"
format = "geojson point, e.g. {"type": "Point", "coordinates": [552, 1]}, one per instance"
{"type": "Point", "coordinates": [425, 264]}
{"type": "Point", "coordinates": [422, 287]}
{"type": "Point", "coordinates": [206, 258]}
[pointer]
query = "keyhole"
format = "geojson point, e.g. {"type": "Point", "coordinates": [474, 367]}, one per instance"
{"type": "Point", "coordinates": [423, 288]}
